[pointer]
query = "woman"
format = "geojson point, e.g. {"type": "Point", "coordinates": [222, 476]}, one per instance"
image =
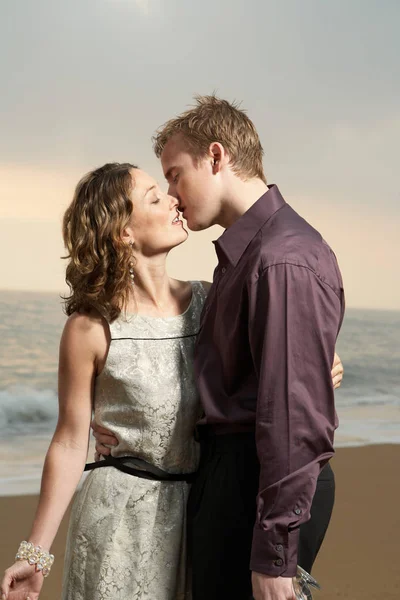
{"type": "Point", "coordinates": [126, 354]}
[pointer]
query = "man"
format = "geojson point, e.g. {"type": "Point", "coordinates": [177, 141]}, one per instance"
{"type": "Point", "coordinates": [263, 362]}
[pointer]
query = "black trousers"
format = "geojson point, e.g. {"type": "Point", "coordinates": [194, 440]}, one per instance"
{"type": "Point", "coordinates": [221, 516]}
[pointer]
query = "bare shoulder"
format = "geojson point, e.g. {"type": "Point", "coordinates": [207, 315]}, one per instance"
{"type": "Point", "coordinates": [206, 285]}
{"type": "Point", "coordinates": [85, 332]}
{"type": "Point", "coordinates": [80, 323]}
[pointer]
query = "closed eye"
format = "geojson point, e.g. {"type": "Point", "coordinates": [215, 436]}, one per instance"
{"type": "Point", "coordinates": [175, 179]}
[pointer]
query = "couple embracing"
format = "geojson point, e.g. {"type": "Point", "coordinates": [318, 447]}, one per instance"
{"type": "Point", "coordinates": [212, 404]}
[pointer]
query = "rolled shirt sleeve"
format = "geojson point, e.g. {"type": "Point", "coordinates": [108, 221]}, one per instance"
{"type": "Point", "coordinates": [294, 320]}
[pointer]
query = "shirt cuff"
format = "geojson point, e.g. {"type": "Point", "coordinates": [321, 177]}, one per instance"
{"type": "Point", "coordinates": [273, 553]}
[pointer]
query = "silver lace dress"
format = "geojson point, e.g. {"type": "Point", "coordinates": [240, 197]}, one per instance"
{"type": "Point", "coordinates": [126, 538]}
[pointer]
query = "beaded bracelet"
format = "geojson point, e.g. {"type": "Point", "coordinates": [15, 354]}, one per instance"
{"type": "Point", "coordinates": [35, 555]}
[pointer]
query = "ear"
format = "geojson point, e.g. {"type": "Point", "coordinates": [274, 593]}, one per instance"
{"type": "Point", "coordinates": [127, 235]}
{"type": "Point", "coordinates": [218, 157]}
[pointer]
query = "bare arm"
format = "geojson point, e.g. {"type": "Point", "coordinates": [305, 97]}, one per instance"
{"type": "Point", "coordinates": [66, 457]}
{"type": "Point", "coordinates": [67, 452]}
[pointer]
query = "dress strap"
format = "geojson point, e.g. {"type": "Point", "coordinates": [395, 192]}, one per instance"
{"type": "Point", "coordinates": [199, 291]}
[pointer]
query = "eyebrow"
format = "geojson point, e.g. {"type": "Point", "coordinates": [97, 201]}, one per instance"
{"type": "Point", "coordinates": [153, 187]}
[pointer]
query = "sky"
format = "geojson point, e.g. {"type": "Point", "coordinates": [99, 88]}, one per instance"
{"type": "Point", "coordinates": [86, 82]}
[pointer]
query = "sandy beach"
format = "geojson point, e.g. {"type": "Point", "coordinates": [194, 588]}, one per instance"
{"type": "Point", "coordinates": [360, 556]}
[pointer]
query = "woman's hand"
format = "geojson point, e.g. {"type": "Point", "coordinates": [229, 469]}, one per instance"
{"type": "Point", "coordinates": [105, 440]}
{"type": "Point", "coordinates": [21, 581]}
{"type": "Point", "coordinates": [337, 371]}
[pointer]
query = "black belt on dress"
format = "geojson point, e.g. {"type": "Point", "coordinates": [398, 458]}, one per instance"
{"type": "Point", "coordinates": [139, 468]}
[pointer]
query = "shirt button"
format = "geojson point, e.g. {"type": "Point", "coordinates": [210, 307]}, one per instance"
{"type": "Point", "coordinates": [278, 562]}
{"type": "Point", "coordinates": [297, 511]}
{"type": "Point", "coordinates": [223, 269]}
{"type": "Point", "coordinates": [279, 548]}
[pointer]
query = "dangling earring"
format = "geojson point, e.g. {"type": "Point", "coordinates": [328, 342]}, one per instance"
{"type": "Point", "coordinates": [131, 272]}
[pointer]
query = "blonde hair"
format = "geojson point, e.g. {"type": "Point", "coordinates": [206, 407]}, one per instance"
{"type": "Point", "coordinates": [216, 120]}
{"type": "Point", "coordinates": [98, 269]}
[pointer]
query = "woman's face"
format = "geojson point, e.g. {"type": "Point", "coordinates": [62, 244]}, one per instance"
{"type": "Point", "coordinates": [155, 224]}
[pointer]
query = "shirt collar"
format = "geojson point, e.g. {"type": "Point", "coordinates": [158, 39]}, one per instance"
{"type": "Point", "coordinates": [234, 241]}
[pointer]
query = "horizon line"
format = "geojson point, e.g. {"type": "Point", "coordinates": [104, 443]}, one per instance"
{"type": "Point", "coordinates": [59, 292]}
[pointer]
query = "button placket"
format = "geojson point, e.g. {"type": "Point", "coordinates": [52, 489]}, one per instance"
{"type": "Point", "coordinates": [221, 273]}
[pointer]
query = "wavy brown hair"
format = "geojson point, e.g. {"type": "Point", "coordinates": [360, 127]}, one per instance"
{"type": "Point", "coordinates": [98, 269]}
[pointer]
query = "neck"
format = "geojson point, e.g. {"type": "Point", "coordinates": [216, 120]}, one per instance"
{"type": "Point", "coordinates": [240, 197]}
{"type": "Point", "coordinates": [152, 285]}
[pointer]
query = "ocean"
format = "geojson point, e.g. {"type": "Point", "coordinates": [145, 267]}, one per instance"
{"type": "Point", "coordinates": [368, 402]}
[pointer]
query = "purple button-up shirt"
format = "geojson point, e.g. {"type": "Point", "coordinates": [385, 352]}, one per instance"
{"type": "Point", "coordinates": [263, 362]}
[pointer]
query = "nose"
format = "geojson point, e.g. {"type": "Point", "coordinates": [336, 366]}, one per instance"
{"type": "Point", "coordinates": [171, 190]}
{"type": "Point", "coordinates": [174, 201]}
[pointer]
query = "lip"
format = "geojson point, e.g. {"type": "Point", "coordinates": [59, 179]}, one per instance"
{"type": "Point", "coordinates": [178, 221]}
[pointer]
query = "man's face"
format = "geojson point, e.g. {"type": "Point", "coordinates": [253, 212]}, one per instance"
{"type": "Point", "coordinates": [194, 184]}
